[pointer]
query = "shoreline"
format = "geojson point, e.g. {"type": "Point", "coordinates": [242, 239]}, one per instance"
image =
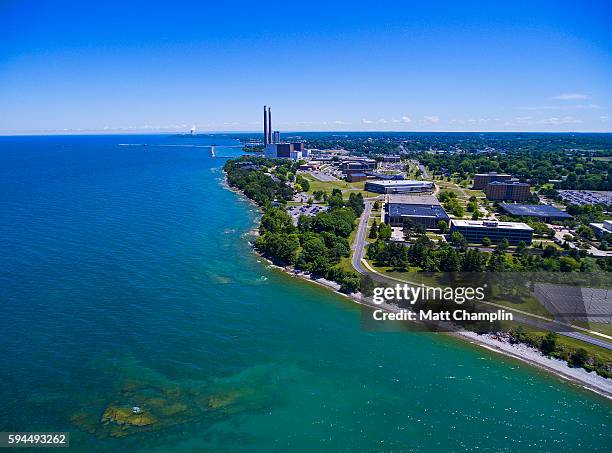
{"type": "Point", "coordinates": [522, 352]}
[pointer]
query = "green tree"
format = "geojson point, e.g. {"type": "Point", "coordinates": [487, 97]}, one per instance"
{"type": "Point", "coordinates": [458, 210]}
{"type": "Point", "coordinates": [319, 194]}
{"type": "Point", "coordinates": [568, 264]}
{"type": "Point", "coordinates": [312, 248]}
{"type": "Point", "coordinates": [335, 201]}
{"type": "Point", "coordinates": [408, 227]}
{"type": "Point", "coordinates": [276, 220]}
{"type": "Point", "coordinates": [549, 343]}
{"type": "Point", "coordinates": [579, 358]}
{"type": "Point", "coordinates": [497, 263]}
{"type": "Point", "coordinates": [355, 202]}
{"type": "Point", "coordinates": [373, 230]}
{"type": "Point", "coordinates": [502, 246]}
{"type": "Point", "coordinates": [457, 239]}
{"type": "Point", "coordinates": [384, 231]}
{"type": "Point", "coordinates": [474, 261]}
{"type": "Point", "coordinates": [449, 260]}
{"type": "Point", "coordinates": [281, 247]}
{"type": "Point", "coordinates": [585, 232]}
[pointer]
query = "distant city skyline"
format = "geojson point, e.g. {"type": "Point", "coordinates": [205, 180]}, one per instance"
{"type": "Point", "coordinates": [67, 67]}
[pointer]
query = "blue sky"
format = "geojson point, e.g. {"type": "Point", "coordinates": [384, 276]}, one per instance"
{"type": "Point", "coordinates": [118, 66]}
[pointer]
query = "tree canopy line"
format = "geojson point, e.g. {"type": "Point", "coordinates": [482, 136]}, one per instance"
{"type": "Point", "coordinates": [318, 243]}
{"type": "Point", "coordinates": [426, 255]}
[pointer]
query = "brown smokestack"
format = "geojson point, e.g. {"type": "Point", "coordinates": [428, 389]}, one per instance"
{"type": "Point", "coordinates": [269, 125]}
{"type": "Point", "coordinates": [265, 126]}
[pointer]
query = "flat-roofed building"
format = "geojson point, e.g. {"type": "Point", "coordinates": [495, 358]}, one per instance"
{"type": "Point", "coordinates": [379, 175]}
{"type": "Point", "coordinates": [474, 231]}
{"type": "Point", "coordinates": [399, 186]}
{"type": "Point", "coordinates": [357, 166]}
{"type": "Point", "coordinates": [391, 158]}
{"type": "Point", "coordinates": [356, 177]}
{"type": "Point", "coordinates": [544, 212]}
{"type": "Point", "coordinates": [508, 191]}
{"type": "Point", "coordinates": [602, 229]}
{"type": "Point", "coordinates": [482, 179]}
{"type": "Point", "coordinates": [420, 209]}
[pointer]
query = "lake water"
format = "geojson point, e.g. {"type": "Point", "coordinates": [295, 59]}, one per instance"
{"type": "Point", "coordinates": [127, 279]}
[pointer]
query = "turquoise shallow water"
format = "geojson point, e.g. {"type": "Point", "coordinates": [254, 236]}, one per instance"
{"type": "Point", "coordinates": [126, 278]}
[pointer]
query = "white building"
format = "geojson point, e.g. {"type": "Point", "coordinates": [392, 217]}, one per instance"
{"type": "Point", "coordinates": [399, 186]}
{"type": "Point", "coordinates": [602, 229]}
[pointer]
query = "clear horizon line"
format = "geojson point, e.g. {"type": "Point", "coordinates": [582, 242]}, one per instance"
{"type": "Point", "coordinates": [144, 132]}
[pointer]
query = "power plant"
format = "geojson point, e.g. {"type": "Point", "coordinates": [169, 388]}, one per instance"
{"type": "Point", "coordinates": [273, 147]}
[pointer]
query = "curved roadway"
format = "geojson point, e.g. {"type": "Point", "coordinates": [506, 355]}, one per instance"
{"type": "Point", "coordinates": [520, 316]}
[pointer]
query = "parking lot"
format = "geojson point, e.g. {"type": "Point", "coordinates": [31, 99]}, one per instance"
{"type": "Point", "coordinates": [308, 210]}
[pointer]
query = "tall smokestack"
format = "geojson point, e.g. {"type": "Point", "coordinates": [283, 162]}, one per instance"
{"type": "Point", "coordinates": [265, 126]}
{"type": "Point", "coordinates": [269, 125]}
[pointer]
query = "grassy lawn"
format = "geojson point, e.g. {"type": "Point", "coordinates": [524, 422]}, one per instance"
{"type": "Point", "coordinates": [344, 186]}
{"type": "Point", "coordinates": [596, 326]}
{"type": "Point", "coordinates": [546, 242]}
{"type": "Point", "coordinates": [451, 187]}
{"type": "Point", "coordinates": [328, 186]}
{"type": "Point", "coordinates": [475, 193]}
{"type": "Point", "coordinates": [433, 236]}
{"type": "Point", "coordinates": [345, 263]}
{"type": "Point", "coordinates": [529, 304]}
{"type": "Point", "coordinates": [409, 275]}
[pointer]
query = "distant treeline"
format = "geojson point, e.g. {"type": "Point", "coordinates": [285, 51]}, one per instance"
{"type": "Point", "coordinates": [470, 142]}
{"type": "Point", "coordinates": [576, 169]}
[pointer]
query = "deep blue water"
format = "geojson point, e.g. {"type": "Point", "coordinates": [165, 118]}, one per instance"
{"type": "Point", "coordinates": [126, 278]}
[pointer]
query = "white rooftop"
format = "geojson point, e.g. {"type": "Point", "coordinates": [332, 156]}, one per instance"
{"type": "Point", "coordinates": [491, 224]}
{"type": "Point", "coordinates": [400, 182]}
{"type": "Point", "coordinates": [413, 199]}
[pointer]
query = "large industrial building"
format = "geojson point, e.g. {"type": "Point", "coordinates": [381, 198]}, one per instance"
{"type": "Point", "coordinates": [543, 212]}
{"type": "Point", "coordinates": [482, 179]}
{"type": "Point", "coordinates": [474, 231]}
{"type": "Point", "coordinates": [420, 209]}
{"type": "Point", "coordinates": [356, 177]}
{"type": "Point", "coordinates": [273, 147]}
{"type": "Point", "coordinates": [400, 186]}
{"type": "Point", "coordinates": [508, 191]}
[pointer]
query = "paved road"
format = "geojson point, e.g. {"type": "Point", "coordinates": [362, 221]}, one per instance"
{"type": "Point", "coordinates": [361, 238]}
{"type": "Point", "coordinates": [323, 176]}
{"type": "Point", "coordinates": [592, 250]}
{"type": "Point", "coordinates": [533, 320]}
